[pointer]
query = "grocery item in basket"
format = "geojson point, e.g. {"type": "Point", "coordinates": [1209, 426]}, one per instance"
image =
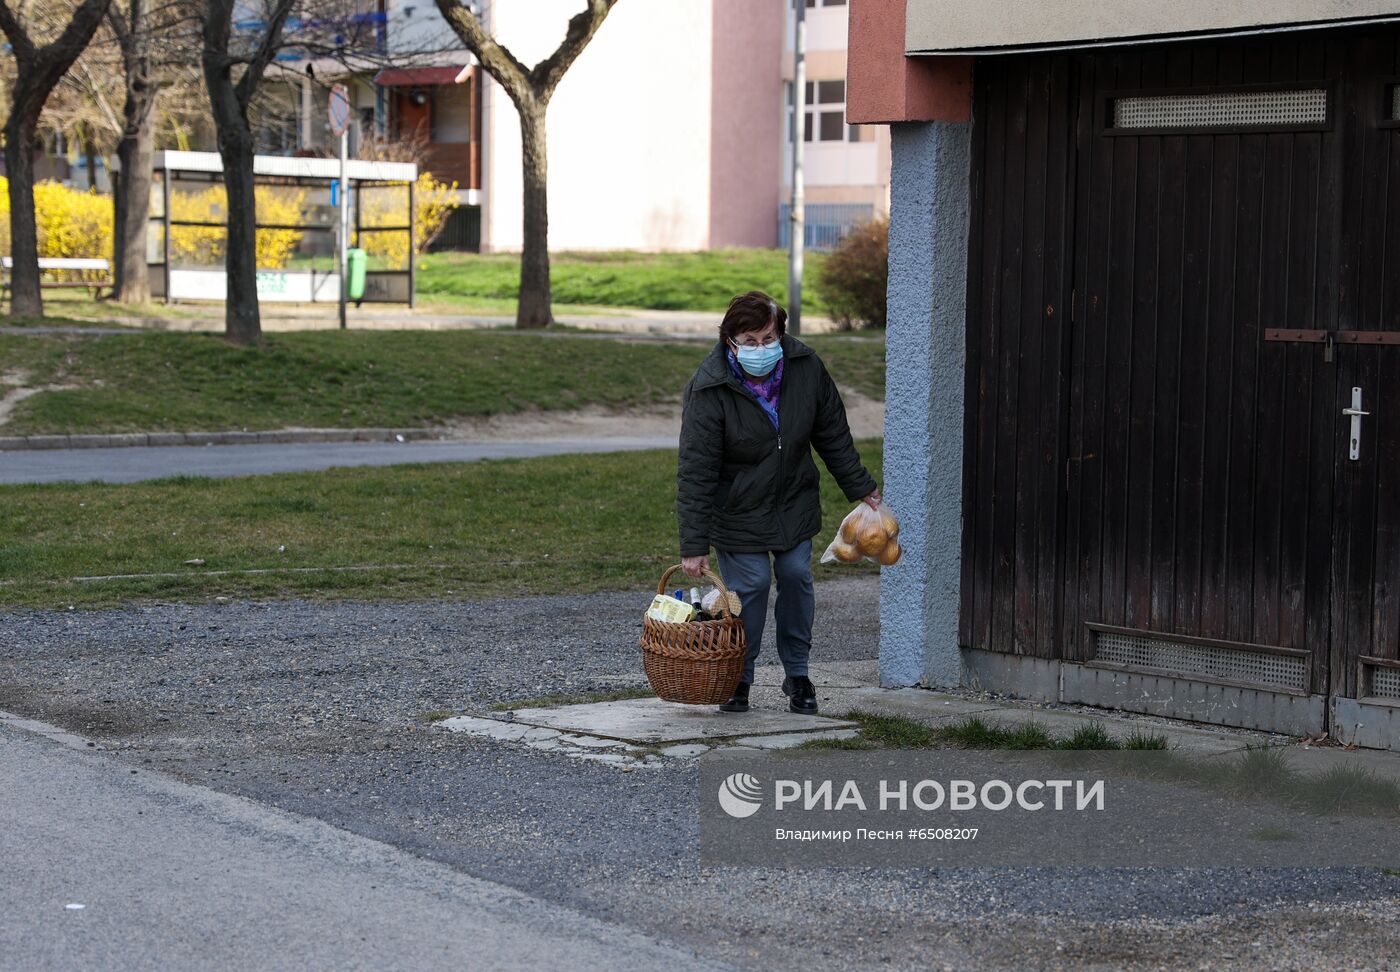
{"type": "Point", "coordinates": [865, 534]}
{"type": "Point", "coordinates": [710, 602]}
{"type": "Point", "coordinates": [667, 608]}
{"type": "Point", "coordinates": [697, 663]}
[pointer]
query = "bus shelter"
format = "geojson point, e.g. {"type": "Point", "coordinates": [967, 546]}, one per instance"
{"type": "Point", "coordinates": [297, 218]}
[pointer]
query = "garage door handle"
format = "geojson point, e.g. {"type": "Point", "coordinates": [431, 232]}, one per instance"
{"type": "Point", "coordinates": [1355, 414]}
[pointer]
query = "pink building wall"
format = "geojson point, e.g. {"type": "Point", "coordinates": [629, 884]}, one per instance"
{"type": "Point", "coordinates": [883, 85]}
{"type": "Point", "coordinates": [746, 106]}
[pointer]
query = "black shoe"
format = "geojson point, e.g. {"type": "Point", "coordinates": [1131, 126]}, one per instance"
{"type": "Point", "coordinates": [801, 693]}
{"type": "Point", "coordinates": [739, 701]}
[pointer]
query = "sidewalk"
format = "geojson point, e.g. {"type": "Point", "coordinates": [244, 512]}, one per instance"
{"type": "Point", "coordinates": [136, 463]}
{"type": "Point", "coordinates": [113, 867]}
{"type": "Point", "coordinates": [844, 686]}
{"type": "Point", "coordinates": [625, 728]}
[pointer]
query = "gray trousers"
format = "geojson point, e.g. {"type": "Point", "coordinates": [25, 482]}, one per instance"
{"type": "Point", "coordinates": [749, 575]}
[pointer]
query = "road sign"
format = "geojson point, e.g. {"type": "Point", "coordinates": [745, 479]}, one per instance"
{"type": "Point", "coordinates": [339, 109]}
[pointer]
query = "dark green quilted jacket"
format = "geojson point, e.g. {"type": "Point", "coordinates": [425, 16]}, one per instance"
{"type": "Point", "coordinates": [743, 486]}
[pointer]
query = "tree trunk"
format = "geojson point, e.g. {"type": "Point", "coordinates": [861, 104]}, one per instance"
{"type": "Point", "coordinates": [90, 159]}
{"type": "Point", "coordinates": [242, 321]}
{"type": "Point", "coordinates": [37, 70]}
{"type": "Point", "coordinates": [132, 199]}
{"type": "Point", "coordinates": [25, 298]}
{"type": "Point", "coordinates": [534, 309]}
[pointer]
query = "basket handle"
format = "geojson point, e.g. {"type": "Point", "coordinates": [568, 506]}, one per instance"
{"type": "Point", "coordinates": [719, 583]}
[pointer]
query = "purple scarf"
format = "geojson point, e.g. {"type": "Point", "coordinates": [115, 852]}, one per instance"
{"type": "Point", "coordinates": [764, 389]}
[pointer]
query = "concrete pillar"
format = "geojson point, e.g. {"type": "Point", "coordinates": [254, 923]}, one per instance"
{"type": "Point", "coordinates": [925, 357]}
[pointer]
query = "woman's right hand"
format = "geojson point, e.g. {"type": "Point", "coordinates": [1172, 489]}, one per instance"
{"type": "Point", "coordinates": [695, 566]}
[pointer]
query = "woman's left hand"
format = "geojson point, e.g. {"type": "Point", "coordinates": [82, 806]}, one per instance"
{"type": "Point", "coordinates": [873, 500]}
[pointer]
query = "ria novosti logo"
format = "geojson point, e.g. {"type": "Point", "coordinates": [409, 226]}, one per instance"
{"type": "Point", "coordinates": [740, 795]}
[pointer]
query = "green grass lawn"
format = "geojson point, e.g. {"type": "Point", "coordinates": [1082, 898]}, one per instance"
{"type": "Point", "coordinates": [499, 527]}
{"type": "Point", "coordinates": [700, 281]}
{"type": "Point", "coordinates": [58, 320]}
{"type": "Point", "coordinates": [344, 379]}
{"type": "Point", "coordinates": [76, 307]}
{"type": "Point", "coordinates": [580, 282]}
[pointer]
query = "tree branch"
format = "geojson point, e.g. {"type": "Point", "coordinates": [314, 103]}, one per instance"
{"type": "Point", "coordinates": [266, 51]}
{"type": "Point", "coordinates": [119, 26]}
{"type": "Point", "coordinates": [18, 37]}
{"type": "Point", "coordinates": [495, 58]}
{"type": "Point", "coordinates": [90, 86]}
{"type": "Point", "coordinates": [582, 26]}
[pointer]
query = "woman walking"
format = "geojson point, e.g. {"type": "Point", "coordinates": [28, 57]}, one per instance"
{"type": "Point", "coordinates": [747, 486]}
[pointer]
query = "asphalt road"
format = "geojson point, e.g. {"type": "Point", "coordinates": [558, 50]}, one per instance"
{"type": "Point", "coordinates": [170, 875]}
{"type": "Point", "coordinates": [136, 463]}
{"type": "Point", "coordinates": [322, 710]}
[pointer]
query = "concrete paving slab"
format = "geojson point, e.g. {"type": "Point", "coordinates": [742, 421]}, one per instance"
{"type": "Point", "coordinates": [655, 721]}
{"type": "Point", "coordinates": [787, 740]}
{"type": "Point", "coordinates": [685, 750]}
{"type": "Point", "coordinates": [493, 728]}
{"type": "Point", "coordinates": [914, 703]}
{"type": "Point", "coordinates": [591, 742]}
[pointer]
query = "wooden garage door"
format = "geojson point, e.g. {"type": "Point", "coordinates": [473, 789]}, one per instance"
{"type": "Point", "coordinates": [1366, 553]}
{"type": "Point", "coordinates": [1200, 456]}
{"type": "Point", "coordinates": [1183, 259]}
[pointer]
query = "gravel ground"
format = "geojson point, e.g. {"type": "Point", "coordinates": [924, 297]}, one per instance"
{"type": "Point", "coordinates": [319, 709]}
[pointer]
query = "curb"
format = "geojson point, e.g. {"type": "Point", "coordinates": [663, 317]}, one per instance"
{"type": "Point", "coordinates": [14, 443]}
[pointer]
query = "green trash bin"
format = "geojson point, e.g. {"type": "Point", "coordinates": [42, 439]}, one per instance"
{"type": "Point", "coordinates": [356, 260]}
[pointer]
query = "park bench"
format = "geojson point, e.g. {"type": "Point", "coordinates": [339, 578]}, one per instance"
{"type": "Point", "coordinates": [95, 272]}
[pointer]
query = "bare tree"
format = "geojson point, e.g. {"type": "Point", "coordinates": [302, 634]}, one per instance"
{"type": "Point", "coordinates": [229, 98]}
{"type": "Point", "coordinates": [132, 194]}
{"type": "Point", "coordinates": [38, 70]}
{"type": "Point", "coordinates": [156, 44]}
{"type": "Point", "coordinates": [233, 70]}
{"type": "Point", "coordinates": [530, 89]}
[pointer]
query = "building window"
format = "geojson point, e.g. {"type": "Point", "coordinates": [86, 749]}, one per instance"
{"type": "Point", "coordinates": [1280, 108]}
{"type": "Point", "coordinates": [825, 119]}
{"type": "Point", "coordinates": [822, 3]}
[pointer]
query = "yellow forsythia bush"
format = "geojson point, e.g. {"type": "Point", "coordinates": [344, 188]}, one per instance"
{"type": "Point", "coordinates": [204, 245]}
{"type": "Point", "coordinates": [385, 206]}
{"type": "Point", "coordinates": [70, 222]}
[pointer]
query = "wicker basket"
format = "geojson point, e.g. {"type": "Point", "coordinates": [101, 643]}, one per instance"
{"type": "Point", "coordinates": [695, 662]}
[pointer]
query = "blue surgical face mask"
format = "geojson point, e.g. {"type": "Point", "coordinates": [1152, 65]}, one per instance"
{"type": "Point", "coordinates": [759, 361]}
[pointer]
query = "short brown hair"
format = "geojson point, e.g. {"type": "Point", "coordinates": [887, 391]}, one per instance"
{"type": "Point", "coordinates": [751, 312]}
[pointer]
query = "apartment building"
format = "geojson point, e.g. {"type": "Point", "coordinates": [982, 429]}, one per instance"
{"type": "Point", "coordinates": [672, 130]}
{"type": "Point", "coordinates": [846, 168]}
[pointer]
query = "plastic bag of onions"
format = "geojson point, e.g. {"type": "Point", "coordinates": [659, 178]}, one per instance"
{"type": "Point", "coordinates": [865, 534]}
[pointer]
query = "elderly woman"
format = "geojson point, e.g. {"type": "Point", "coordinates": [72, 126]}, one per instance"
{"type": "Point", "coordinates": [747, 485]}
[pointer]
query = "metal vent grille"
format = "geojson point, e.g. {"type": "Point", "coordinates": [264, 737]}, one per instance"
{"type": "Point", "coordinates": [1265, 669]}
{"type": "Point", "coordinates": [1233, 109]}
{"type": "Point", "coordinates": [1395, 102]}
{"type": "Point", "coordinates": [1385, 682]}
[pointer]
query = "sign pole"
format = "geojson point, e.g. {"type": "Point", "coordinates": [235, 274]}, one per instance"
{"type": "Point", "coordinates": [797, 214]}
{"type": "Point", "coordinates": [343, 237]}
{"type": "Point", "coordinates": [338, 108]}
